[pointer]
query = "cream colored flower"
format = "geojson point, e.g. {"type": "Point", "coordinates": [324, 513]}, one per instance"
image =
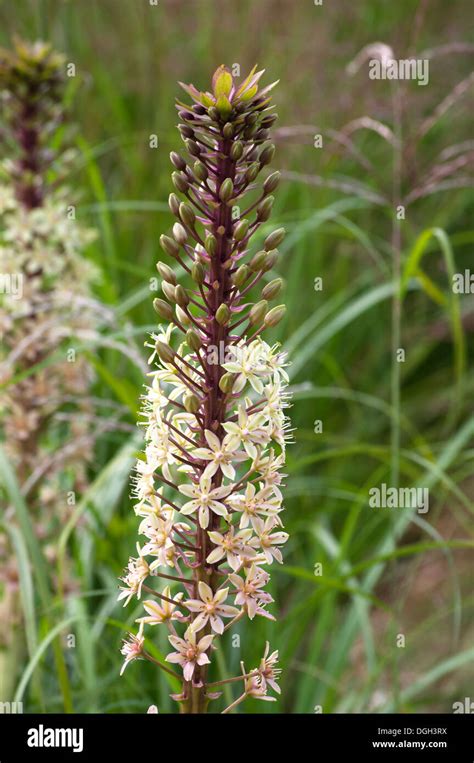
{"type": "Point", "coordinates": [221, 455]}
{"type": "Point", "coordinates": [210, 608]}
{"type": "Point", "coordinates": [164, 611]}
{"type": "Point", "coordinates": [189, 653]}
{"type": "Point", "coordinates": [204, 499]}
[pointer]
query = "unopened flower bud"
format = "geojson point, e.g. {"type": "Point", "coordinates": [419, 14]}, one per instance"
{"type": "Point", "coordinates": [267, 154]}
{"type": "Point", "coordinates": [180, 296]}
{"type": "Point", "coordinates": [274, 315]}
{"type": "Point", "coordinates": [241, 229]}
{"type": "Point", "coordinates": [179, 234]}
{"type": "Point", "coordinates": [211, 244]}
{"type": "Point", "coordinates": [180, 181]}
{"type": "Point", "coordinates": [237, 150]}
{"type": "Point", "coordinates": [165, 353]}
{"type": "Point", "coordinates": [182, 317]}
{"type": "Point", "coordinates": [200, 171]}
{"type": "Point", "coordinates": [191, 403]}
{"type": "Point", "coordinates": [169, 291]}
{"type": "Point", "coordinates": [198, 272]}
{"type": "Point", "coordinates": [228, 130]}
{"type": "Point", "coordinates": [173, 203]}
{"type": "Point", "coordinates": [256, 263]}
{"type": "Point", "coordinates": [169, 245]}
{"type": "Point", "coordinates": [240, 276]}
{"type": "Point", "coordinates": [274, 239]}
{"type": "Point", "coordinates": [222, 314]}
{"type": "Point", "coordinates": [264, 209]}
{"type": "Point", "coordinates": [192, 147]}
{"type": "Point", "coordinates": [226, 190]}
{"type": "Point", "coordinates": [257, 313]}
{"type": "Point", "coordinates": [271, 182]}
{"type": "Point", "coordinates": [166, 273]}
{"type": "Point", "coordinates": [226, 382]}
{"type": "Point", "coordinates": [252, 171]}
{"type": "Point", "coordinates": [186, 213]}
{"type": "Point", "coordinates": [177, 161]}
{"type": "Point", "coordinates": [193, 341]}
{"type": "Point", "coordinates": [269, 260]}
{"type": "Point", "coordinates": [163, 309]}
{"type": "Point", "coordinates": [272, 289]}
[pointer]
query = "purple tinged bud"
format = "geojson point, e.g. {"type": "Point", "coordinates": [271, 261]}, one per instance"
{"type": "Point", "coordinates": [274, 239]}
{"type": "Point", "coordinates": [192, 147]}
{"type": "Point", "coordinates": [228, 130]}
{"type": "Point", "coordinates": [177, 161]}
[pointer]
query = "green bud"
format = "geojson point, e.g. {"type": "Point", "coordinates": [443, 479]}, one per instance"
{"type": "Point", "coordinates": [165, 353]}
{"type": "Point", "coordinates": [240, 276]}
{"type": "Point", "coordinates": [269, 260]}
{"type": "Point", "coordinates": [169, 291]}
{"type": "Point", "coordinates": [200, 171]}
{"type": "Point", "coordinates": [192, 147]}
{"type": "Point", "coordinates": [222, 314]}
{"type": "Point", "coordinates": [186, 213]}
{"type": "Point", "coordinates": [271, 182]}
{"type": "Point", "coordinates": [226, 382]}
{"type": "Point", "coordinates": [163, 309]}
{"type": "Point", "coordinates": [177, 161]}
{"type": "Point", "coordinates": [191, 403]}
{"type": "Point", "coordinates": [226, 190]}
{"type": "Point", "coordinates": [275, 315]}
{"type": "Point", "coordinates": [180, 296]}
{"type": "Point", "coordinates": [237, 150]}
{"type": "Point", "coordinates": [228, 130]}
{"type": "Point", "coordinates": [257, 313]}
{"type": "Point", "coordinates": [166, 273]}
{"type": "Point", "coordinates": [179, 233]}
{"type": "Point", "coordinates": [211, 244]}
{"type": "Point", "coordinates": [252, 171]}
{"type": "Point", "coordinates": [182, 317]}
{"type": "Point", "coordinates": [169, 245]}
{"type": "Point", "coordinates": [241, 229]}
{"type": "Point", "coordinates": [198, 272]}
{"type": "Point", "coordinates": [272, 289]}
{"type": "Point", "coordinates": [173, 203]}
{"type": "Point", "coordinates": [274, 239]}
{"type": "Point", "coordinates": [193, 340]}
{"type": "Point", "coordinates": [267, 154]}
{"type": "Point", "coordinates": [213, 113]}
{"type": "Point", "coordinates": [257, 261]}
{"type": "Point", "coordinates": [180, 181]}
{"type": "Point", "coordinates": [264, 209]}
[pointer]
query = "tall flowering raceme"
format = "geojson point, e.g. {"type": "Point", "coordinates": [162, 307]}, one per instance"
{"type": "Point", "coordinates": [208, 485]}
{"type": "Point", "coordinates": [44, 302]}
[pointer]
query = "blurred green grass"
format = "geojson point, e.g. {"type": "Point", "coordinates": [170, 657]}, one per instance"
{"type": "Point", "coordinates": [336, 633]}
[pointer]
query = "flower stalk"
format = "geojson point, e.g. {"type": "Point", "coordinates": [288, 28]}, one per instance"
{"type": "Point", "coordinates": [208, 487]}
